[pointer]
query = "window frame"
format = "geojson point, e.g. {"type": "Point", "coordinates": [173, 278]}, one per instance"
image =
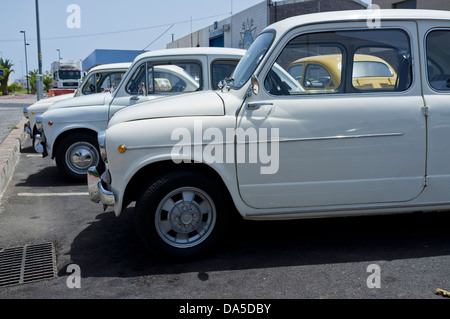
{"type": "Point", "coordinates": [149, 64]}
{"type": "Point", "coordinates": [342, 89]}
{"type": "Point", "coordinates": [425, 40]}
{"type": "Point", "coordinates": [220, 60]}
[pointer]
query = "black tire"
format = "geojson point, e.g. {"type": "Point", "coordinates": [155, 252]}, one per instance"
{"type": "Point", "coordinates": [172, 217]}
{"type": "Point", "coordinates": [76, 153]}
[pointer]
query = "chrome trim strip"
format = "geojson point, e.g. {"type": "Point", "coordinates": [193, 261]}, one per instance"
{"type": "Point", "coordinates": [337, 137]}
{"type": "Point", "coordinates": [341, 209]}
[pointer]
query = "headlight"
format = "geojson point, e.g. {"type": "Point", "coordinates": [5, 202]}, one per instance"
{"type": "Point", "coordinates": [101, 145]}
{"type": "Point", "coordinates": [39, 123]}
{"type": "Point", "coordinates": [25, 111]}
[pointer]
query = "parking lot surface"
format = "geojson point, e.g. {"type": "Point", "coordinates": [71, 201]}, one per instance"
{"type": "Point", "coordinates": [98, 255]}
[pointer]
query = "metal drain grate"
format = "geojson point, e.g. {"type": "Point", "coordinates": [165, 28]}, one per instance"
{"type": "Point", "coordinates": [26, 264]}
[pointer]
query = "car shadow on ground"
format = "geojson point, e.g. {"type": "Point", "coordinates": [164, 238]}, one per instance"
{"type": "Point", "coordinates": [110, 246]}
{"type": "Point", "coordinates": [47, 175]}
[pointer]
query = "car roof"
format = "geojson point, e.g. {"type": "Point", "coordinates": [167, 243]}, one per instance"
{"type": "Point", "coordinates": [359, 15]}
{"type": "Point", "coordinates": [192, 51]}
{"type": "Point", "coordinates": [124, 65]}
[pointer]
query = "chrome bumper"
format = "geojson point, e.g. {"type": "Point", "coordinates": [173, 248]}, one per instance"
{"type": "Point", "coordinates": [26, 127]}
{"type": "Point", "coordinates": [97, 192]}
{"type": "Point", "coordinates": [39, 145]}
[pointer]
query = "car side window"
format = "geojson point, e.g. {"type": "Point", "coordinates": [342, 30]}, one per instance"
{"type": "Point", "coordinates": [90, 86]}
{"type": "Point", "coordinates": [137, 81]}
{"type": "Point", "coordinates": [438, 59]}
{"type": "Point", "coordinates": [165, 78]}
{"type": "Point", "coordinates": [221, 69]}
{"type": "Point", "coordinates": [355, 61]}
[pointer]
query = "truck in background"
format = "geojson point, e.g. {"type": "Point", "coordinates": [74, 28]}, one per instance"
{"type": "Point", "coordinates": [66, 74]}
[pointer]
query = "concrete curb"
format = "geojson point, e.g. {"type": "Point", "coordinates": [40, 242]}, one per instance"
{"type": "Point", "coordinates": [9, 153]}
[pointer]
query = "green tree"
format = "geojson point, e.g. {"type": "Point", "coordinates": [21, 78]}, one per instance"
{"type": "Point", "coordinates": [48, 81]}
{"type": "Point", "coordinates": [32, 80]}
{"type": "Point", "coordinates": [14, 87]}
{"type": "Point", "coordinates": [6, 65]}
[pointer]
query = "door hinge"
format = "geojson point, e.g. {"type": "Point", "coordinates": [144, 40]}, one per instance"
{"type": "Point", "coordinates": [426, 181]}
{"type": "Point", "coordinates": [425, 111]}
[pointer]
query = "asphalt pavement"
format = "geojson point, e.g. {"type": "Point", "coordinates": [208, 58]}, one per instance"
{"type": "Point", "coordinates": [98, 255]}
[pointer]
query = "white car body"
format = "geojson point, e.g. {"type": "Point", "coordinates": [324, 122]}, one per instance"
{"type": "Point", "coordinates": [91, 113]}
{"type": "Point", "coordinates": [42, 105]}
{"type": "Point", "coordinates": [353, 152]}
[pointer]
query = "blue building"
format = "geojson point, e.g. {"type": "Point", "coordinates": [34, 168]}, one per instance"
{"type": "Point", "coordinates": [100, 56]}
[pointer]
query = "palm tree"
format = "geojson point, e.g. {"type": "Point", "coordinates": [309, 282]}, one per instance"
{"type": "Point", "coordinates": [6, 65]}
{"type": "Point", "coordinates": [48, 81]}
{"type": "Point", "coordinates": [32, 80]}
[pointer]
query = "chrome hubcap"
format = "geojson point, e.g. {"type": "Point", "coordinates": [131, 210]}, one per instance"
{"type": "Point", "coordinates": [80, 156]}
{"type": "Point", "coordinates": [185, 217]}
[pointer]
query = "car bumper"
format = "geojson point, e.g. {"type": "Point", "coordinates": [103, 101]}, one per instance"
{"type": "Point", "coordinates": [26, 127]}
{"type": "Point", "coordinates": [39, 145]}
{"type": "Point", "coordinates": [97, 192]}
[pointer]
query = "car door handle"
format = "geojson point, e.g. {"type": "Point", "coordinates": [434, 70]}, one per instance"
{"type": "Point", "coordinates": [257, 105]}
{"type": "Point", "coordinates": [134, 98]}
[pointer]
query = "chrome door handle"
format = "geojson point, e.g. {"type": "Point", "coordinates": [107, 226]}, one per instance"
{"type": "Point", "coordinates": [257, 105]}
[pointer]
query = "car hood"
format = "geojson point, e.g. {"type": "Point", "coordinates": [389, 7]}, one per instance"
{"type": "Point", "coordinates": [85, 100]}
{"type": "Point", "coordinates": [43, 104]}
{"type": "Point", "coordinates": [205, 103]}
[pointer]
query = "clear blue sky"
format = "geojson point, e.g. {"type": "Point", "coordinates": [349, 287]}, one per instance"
{"type": "Point", "coordinates": [102, 16]}
{"type": "Point", "coordinates": [104, 24]}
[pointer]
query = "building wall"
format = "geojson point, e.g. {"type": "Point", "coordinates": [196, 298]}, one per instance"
{"type": "Point", "coordinates": [421, 4]}
{"type": "Point", "coordinates": [245, 26]}
{"type": "Point", "coordinates": [294, 8]}
{"type": "Point", "coordinates": [238, 30]}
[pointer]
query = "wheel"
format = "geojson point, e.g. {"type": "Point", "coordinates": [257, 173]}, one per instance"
{"type": "Point", "coordinates": [182, 215]}
{"type": "Point", "coordinates": [76, 153]}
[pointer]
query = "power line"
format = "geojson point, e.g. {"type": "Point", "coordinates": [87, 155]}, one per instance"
{"type": "Point", "coordinates": [157, 38]}
{"type": "Point", "coordinates": [119, 31]}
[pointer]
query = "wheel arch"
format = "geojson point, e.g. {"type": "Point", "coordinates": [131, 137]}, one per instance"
{"type": "Point", "coordinates": [63, 134]}
{"type": "Point", "coordinates": [141, 177]}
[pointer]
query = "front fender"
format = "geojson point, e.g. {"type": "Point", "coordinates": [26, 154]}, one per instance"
{"type": "Point", "coordinates": [151, 142]}
{"type": "Point", "coordinates": [59, 121]}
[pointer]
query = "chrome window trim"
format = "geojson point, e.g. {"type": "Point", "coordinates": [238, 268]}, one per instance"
{"type": "Point", "coordinates": [425, 48]}
{"type": "Point", "coordinates": [413, 75]}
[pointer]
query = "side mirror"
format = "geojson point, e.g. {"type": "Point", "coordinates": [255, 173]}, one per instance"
{"type": "Point", "coordinates": [254, 84]}
{"type": "Point", "coordinates": [143, 89]}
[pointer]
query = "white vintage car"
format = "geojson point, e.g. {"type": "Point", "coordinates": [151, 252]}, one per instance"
{"type": "Point", "coordinates": [268, 151]}
{"type": "Point", "coordinates": [68, 129]}
{"type": "Point", "coordinates": [101, 78]}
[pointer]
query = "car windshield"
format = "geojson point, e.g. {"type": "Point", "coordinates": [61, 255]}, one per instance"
{"type": "Point", "coordinates": [69, 75]}
{"type": "Point", "coordinates": [251, 59]}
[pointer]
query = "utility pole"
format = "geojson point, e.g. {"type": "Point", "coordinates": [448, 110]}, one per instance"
{"type": "Point", "coordinates": [26, 60]}
{"type": "Point", "coordinates": [39, 81]}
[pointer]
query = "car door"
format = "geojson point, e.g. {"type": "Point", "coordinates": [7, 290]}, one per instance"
{"type": "Point", "coordinates": [436, 88]}
{"type": "Point", "coordinates": [348, 145]}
